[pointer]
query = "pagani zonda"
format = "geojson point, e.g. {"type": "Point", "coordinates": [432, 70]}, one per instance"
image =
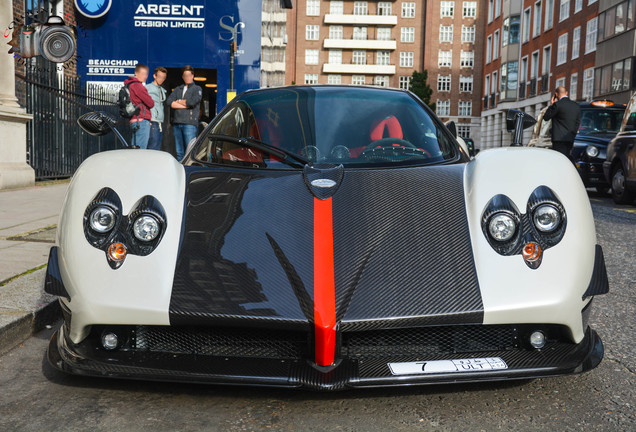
{"type": "Point", "coordinates": [326, 237]}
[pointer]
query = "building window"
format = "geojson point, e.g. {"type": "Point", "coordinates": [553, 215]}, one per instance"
{"type": "Point", "coordinates": [463, 131]}
{"type": "Point", "coordinates": [359, 57]}
{"type": "Point", "coordinates": [526, 25]}
{"type": "Point", "coordinates": [384, 8]}
{"type": "Point", "coordinates": [547, 54]}
{"type": "Point", "coordinates": [562, 49]}
{"type": "Point", "coordinates": [590, 35]}
{"type": "Point", "coordinates": [549, 14]}
{"type": "Point", "coordinates": [467, 59]}
{"type": "Point", "coordinates": [358, 79]}
{"type": "Point", "coordinates": [470, 9]}
{"type": "Point", "coordinates": [334, 79]}
{"type": "Point", "coordinates": [564, 10]}
{"type": "Point", "coordinates": [360, 8]}
{"type": "Point", "coordinates": [443, 82]}
{"type": "Point", "coordinates": [360, 33]}
{"type": "Point", "coordinates": [495, 45]}
{"type": "Point", "coordinates": [335, 56]}
{"type": "Point", "coordinates": [510, 33]}
{"type": "Point", "coordinates": [574, 81]}
{"type": "Point", "coordinates": [536, 28]}
{"type": "Point", "coordinates": [488, 49]}
{"type": "Point", "coordinates": [446, 33]}
{"type": "Point", "coordinates": [336, 7]}
{"type": "Point", "coordinates": [523, 73]}
{"type": "Point", "coordinates": [406, 59]}
{"type": "Point", "coordinates": [442, 108]}
{"type": "Point", "coordinates": [407, 34]}
{"type": "Point", "coordinates": [445, 58]}
{"type": "Point", "coordinates": [560, 82]}
{"type": "Point", "coordinates": [313, 7]}
{"type": "Point", "coordinates": [493, 84]}
{"type": "Point", "coordinates": [578, 5]}
{"type": "Point", "coordinates": [383, 33]}
{"type": "Point", "coordinates": [497, 8]}
{"type": "Point", "coordinates": [534, 66]}
{"type": "Point", "coordinates": [486, 86]}
{"type": "Point", "coordinates": [335, 32]}
{"type": "Point", "coordinates": [491, 8]}
{"type": "Point", "coordinates": [576, 42]}
{"type": "Point", "coordinates": [588, 84]}
{"type": "Point", "coordinates": [383, 58]}
{"type": "Point", "coordinates": [408, 9]}
{"type": "Point", "coordinates": [468, 34]}
{"type": "Point", "coordinates": [311, 32]}
{"type": "Point", "coordinates": [311, 56]}
{"type": "Point", "coordinates": [381, 81]}
{"type": "Point", "coordinates": [404, 82]}
{"type": "Point", "coordinates": [447, 8]}
{"type": "Point", "coordinates": [465, 108]}
{"type": "Point", "coordinates": [311, 78]}
{"type": "Point", "coordinates": [466, 84]}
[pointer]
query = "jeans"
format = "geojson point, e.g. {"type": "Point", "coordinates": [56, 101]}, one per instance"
{"type": "Point", "coordinates": [183, 134]}
{"type": "Point", "coordinates": [141, 132]}
{"type": "Point", "coordinates": [154, 142]}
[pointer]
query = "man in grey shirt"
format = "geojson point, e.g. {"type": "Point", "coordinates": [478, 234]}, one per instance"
{"type": "Point", "coordinates": [158, 94]}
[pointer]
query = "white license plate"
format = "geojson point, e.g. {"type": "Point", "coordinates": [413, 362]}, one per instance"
{"type": "Point", "coordinates": [447, 366]}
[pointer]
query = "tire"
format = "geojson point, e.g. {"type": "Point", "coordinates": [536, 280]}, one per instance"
{"type": "Point", "coordinates": [620, 194]}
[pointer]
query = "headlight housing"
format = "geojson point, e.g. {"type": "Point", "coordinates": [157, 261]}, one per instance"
{"type": "Point", "coordinates": [146, 228]}
{"type": "Point", "coordinates": [102, 219]}
{"type": "Point", "coordinates": [546, 218]}
{"type": "Point", "coordinates": [592, 151]}
{"type": "Point", "coordinates": [502, 227]}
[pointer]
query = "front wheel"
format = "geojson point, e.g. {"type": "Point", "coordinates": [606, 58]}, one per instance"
{"type": "Point", "coordinates": [620, 194]}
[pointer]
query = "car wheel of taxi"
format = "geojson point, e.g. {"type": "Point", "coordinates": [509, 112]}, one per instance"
{"type": "Point", "coordinates": [620, 194]}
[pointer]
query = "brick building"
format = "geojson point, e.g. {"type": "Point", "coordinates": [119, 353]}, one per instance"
{"type": "Point", "coordinates": [453, 57]}
{"type": "Point", "coordinates": [531, 47]}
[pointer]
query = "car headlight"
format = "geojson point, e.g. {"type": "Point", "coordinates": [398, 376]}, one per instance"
{"type": "Point", "coordinates": [502, 227]}
{"type": "Point", "coordinates": [102, 219]}
{"type": "Point", "coordinates": [146, 228]}
{"type": "Point", "coordinates": [591, 151]}
{"type": "Point", "coordinates": [546, 218]}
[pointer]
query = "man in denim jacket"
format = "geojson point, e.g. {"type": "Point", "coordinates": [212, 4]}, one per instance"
{"type": "Point", "coordinates": [158, 94]}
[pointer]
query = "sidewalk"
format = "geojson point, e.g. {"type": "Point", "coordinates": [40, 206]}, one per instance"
{"type": "Point", "coordinates": [28, 219]}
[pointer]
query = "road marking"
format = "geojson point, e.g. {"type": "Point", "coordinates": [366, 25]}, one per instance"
{"type": "Point", "coordinates": [632, 211]}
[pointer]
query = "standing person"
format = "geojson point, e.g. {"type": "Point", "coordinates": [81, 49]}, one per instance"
{"type": "Point", "coordinates": [185, 100]}
{"type": "Point", "coordinates": [158, 95]}
{"type": "Point", "coordinates": [140, 122]}
{"type": "Point", "coordinates": [566, 118]}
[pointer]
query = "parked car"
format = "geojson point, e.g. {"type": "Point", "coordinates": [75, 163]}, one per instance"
{"type": "Point", "coordinates": [600, 122]}
{"type": "Point", "coordinates": [326, 237]}
{"type": "Point", "coordinates": [620, 165]}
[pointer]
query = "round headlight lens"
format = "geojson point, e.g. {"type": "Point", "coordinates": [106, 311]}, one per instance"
{"type": "Point", "coordinates": [502, 227]}
{"type": "Point", "coordinates": [546, 218]}
{"type": "Point", "coordinates": [102, 219]}
{"type": "Point", "coordinates": [591, 151]}
{"type": "Point", "coordinates": [146, 228]}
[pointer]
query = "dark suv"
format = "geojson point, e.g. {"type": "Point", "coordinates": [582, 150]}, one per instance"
{"type": "Point", "coordinates": [620, 166]}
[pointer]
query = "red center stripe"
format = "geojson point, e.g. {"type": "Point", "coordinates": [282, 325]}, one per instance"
{"type": "Point", "coordinates": [324, 285]}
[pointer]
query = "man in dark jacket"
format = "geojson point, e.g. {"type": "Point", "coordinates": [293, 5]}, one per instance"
{"type": "Point", "coordinates": [140, 123]}
{"type": "Point", "coordinates": [185, 100]}
{"type": "Point", "coordinates": [566, 118]}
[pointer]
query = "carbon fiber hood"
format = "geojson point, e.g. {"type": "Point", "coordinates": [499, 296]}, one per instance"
{"type": "Point", "coordinates": [401, 249]}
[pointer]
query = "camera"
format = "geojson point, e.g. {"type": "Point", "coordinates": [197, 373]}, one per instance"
{"type": "Point", "coordinates": [53, 40]}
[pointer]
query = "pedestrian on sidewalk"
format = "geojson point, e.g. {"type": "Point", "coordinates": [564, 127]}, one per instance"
{"type": "Point", "coordinates": [140, 122]}
{"type": "Point", "coordinates": [566, 118]}
{"type": "Point", "coordinates": [185, 100]}
{"type": "Point", "coordinates": [158, 95]}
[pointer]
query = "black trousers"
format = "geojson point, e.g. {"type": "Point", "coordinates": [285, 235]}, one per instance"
{"type": "Point", "coordinates": [564, 147]}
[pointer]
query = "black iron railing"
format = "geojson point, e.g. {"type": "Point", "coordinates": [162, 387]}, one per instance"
{"type": "Point", "coordinates": [545, 83]}
{"type": "Point", "coordinates": [533, 87]}
{"type": "Point", "coordinates": [522, 90]}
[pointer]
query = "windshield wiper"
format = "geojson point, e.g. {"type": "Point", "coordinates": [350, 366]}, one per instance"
{"type": "Point", "coordinates": [283, 155]}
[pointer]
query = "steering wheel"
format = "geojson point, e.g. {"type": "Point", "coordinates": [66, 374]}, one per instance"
{"type": "Point", "coordinates": [388, 143]}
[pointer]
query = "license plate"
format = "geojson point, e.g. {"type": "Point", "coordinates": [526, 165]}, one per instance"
{"type": "Point", "coordinates": [447, 366]}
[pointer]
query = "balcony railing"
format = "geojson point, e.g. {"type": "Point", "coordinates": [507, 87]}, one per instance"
{"type": "Point", "coordinates": [360, 44]}
{"type": "Point", "coordinates": [361, 19]}
{"type": "Point", "coordinates": [545, 83]}
{"type": "Point", "coordinates": [522, 90]}
{"type": "Point", "coordinates": [533, 87]}
{"type": "Point", "coordinates": [493, 100]}
{"type": "Point", "coordinates": [486, 102]}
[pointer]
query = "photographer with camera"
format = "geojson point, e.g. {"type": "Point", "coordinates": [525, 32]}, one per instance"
{"type": "Point", "coordinates": [140, 122]}
{"type": "Point", "coordinates": [566, 118]}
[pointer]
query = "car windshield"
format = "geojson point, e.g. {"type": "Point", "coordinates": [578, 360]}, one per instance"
{"type": "Point", "coordinates": [353, 126]}
{"type": "Point", "coordinates": [595, 121]}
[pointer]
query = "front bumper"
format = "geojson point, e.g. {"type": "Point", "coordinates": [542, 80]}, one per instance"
{"type": "Point", "coordinates": [361, 367]}
{"type": "Point", "coordinates": [591, 173]}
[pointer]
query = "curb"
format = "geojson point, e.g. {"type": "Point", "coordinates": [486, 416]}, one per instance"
{"type": "Point", "coordinates": [25, 309]}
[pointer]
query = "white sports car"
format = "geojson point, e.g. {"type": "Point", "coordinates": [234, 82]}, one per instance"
{"type": "Point", "coordinates": [326, 237]}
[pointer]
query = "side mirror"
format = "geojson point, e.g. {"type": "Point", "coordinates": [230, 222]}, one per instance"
{"type": "Point", "coordinates": [452, 128]}
{"type": "Point", "coordinates": [517, 121]}
{"type": "Point", "coordinates": [99, 123]}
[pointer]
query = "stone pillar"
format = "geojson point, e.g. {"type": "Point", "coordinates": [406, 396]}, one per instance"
{"type": "Point", "coordinates": [14, 170]}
